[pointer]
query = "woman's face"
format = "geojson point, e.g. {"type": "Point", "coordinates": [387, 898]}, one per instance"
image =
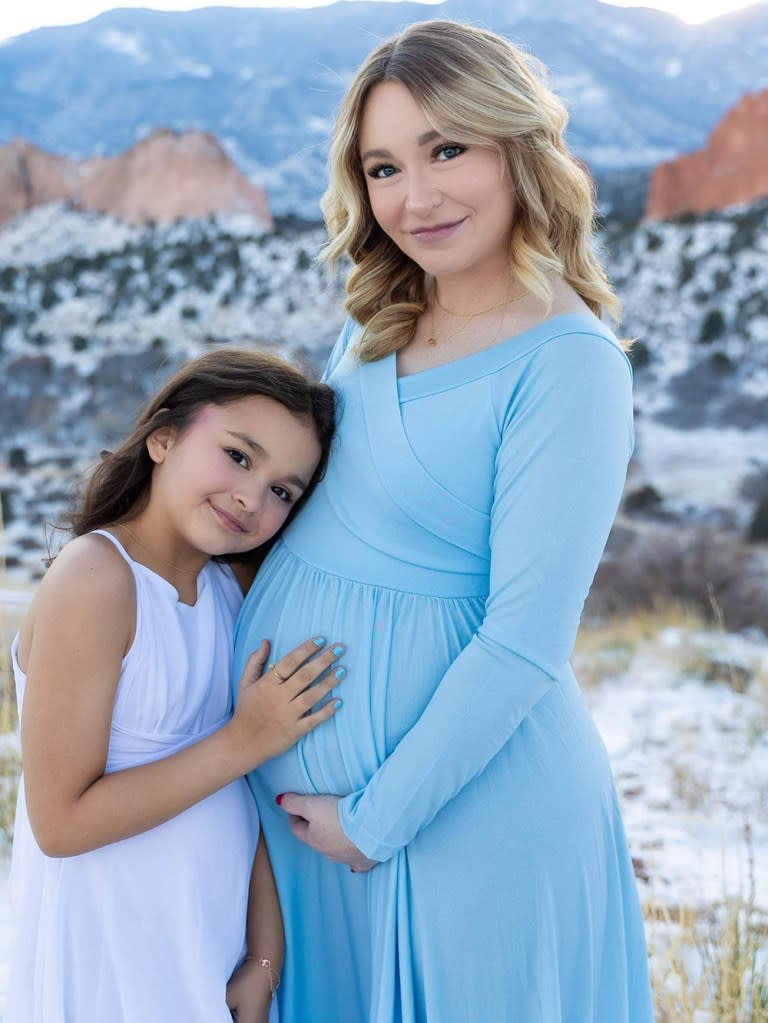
{"type": "Point", "coordinates": [447, 206]}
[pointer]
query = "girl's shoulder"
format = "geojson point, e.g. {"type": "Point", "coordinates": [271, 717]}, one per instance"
{"type": "Point", "coordinates": [87, 579]}
{"type": "Point", "coordinates": [91, 559]}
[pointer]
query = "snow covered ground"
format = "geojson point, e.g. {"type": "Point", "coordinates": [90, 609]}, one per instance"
{"type": "Point", "coordinates": [683, 711]}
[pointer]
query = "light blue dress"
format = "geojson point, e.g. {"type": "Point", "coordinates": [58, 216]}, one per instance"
{"type": "Point", "coordinates": [451, 547]}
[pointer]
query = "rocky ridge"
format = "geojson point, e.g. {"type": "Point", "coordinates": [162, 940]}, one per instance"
{"type": "Point", "coordinates": [166, 176]}
{"type": "Point", "coordinates": [731, 168]}
{"type": "Point", "coordinates": [640, 85]}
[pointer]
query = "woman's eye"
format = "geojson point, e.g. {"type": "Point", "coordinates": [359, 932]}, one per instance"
{"type": "Point", "coordinates": [283, 494]}
{"type": "Point", "coordinates": [382, 170]}
{"type": "Point", "coordinates": [449, 152]}
{"type": "Point", "coordinates": [237, 456]}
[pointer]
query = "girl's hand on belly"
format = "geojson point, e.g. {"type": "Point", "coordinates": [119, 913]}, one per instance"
{"type": "Point", "coordinates": [314, 820]}
{"type": "Point", "coordinates": [275, 707]}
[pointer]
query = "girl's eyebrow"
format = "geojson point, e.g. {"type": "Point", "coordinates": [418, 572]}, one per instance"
{"type": "Point", "coordinates": [261, 451]}
{"type": "Point", "coordinates": [383, 154]}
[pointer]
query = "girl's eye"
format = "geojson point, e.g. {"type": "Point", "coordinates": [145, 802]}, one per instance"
{"type": "Point", "coordinates": [283, 494]}
{"type": "Point", "coordinates": [381, 170]}
{"type": "Point", "coordinates": [237, 456]}
{"type": "Point", "coordinates": [449, 151]}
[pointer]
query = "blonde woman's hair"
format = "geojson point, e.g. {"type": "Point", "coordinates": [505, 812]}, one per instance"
{"type": "Point", "coordinates": [475, 88]}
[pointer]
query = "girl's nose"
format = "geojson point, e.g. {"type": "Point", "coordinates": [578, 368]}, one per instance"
{"type": "Point", "coordinates": [249, 498]}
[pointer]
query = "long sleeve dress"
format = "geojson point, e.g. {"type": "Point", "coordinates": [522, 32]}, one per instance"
{"type": "Point", "coordinates": [451, 546]}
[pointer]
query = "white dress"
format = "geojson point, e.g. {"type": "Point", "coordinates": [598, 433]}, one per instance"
{"type": "Point", "coordinates": [148, 929]}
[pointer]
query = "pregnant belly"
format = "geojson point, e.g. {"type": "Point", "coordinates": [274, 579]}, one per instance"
{"type": "Point", "coordinates": [398, 646]}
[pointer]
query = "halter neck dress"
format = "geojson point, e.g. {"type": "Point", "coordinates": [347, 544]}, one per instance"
{"type": "Point", "coordinates": [451, 546]}
{"type": "Point", "coordinates": [148, 929]}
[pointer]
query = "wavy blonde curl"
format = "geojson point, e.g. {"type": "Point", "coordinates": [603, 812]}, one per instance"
{"type": "Point", "coordinates": [475, 88]}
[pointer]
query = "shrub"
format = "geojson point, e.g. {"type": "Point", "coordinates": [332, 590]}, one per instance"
{"type": "Point", "coordinates": [711, 571]}
{"type": "Point", "coordinates": [645, 498]}
{"type": "Point", "coordinates": [6, 507]}
{"type": "Point", "coordinates": [687, 270]}
{"type": "Point", "coordinates": [639, 354]}
{"type": "Point", "coordinates": [712, 327]}
{"type": "Point", "coordinates": [758, 527]}
{"type": "Point", "coordinates": [17, 458]}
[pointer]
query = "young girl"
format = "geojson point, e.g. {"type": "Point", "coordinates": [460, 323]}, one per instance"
{"type": "Point", "coordinates": [138, 881]}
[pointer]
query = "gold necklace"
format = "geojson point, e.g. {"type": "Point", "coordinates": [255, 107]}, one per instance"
{"type": "Point", "coordinates": [130, 532]}
{"type": "Point", "coordinates": [432, 340]}
{"type": "Point", "coordinates": [466, 316]}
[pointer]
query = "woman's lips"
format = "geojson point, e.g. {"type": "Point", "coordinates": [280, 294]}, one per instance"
{"type": "Point", "coordinates": [438, 233]}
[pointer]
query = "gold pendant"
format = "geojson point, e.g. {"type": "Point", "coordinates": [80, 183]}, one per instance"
{"type": "Point", "coordinates": [432, 341]}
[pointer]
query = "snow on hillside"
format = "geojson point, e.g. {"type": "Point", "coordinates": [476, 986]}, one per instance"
{"type": "Point", "coordinates": [93, 313]}
{"type": "Point", "coordinates": [695, 294]}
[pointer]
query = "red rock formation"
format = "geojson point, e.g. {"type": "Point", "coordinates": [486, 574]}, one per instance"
{"type": "Point", "coordinates": [731, 168]}
{"type": "Point", "coordinates": [30, 177]}
{"type": "Point", "coordinates": [163, 177]}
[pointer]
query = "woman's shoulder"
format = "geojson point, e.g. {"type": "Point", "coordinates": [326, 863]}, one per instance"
{"type": "Point", "coordinates": [571, 327]}
{"type": "Point", "coordinates": [573, 362]}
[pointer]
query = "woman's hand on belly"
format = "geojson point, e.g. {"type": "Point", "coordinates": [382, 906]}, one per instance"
{"type": "Point", "coordinates": [314, 820]}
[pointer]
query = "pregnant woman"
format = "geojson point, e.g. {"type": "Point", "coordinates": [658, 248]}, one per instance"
{"type": "Point", "coordinates": [450, 848]}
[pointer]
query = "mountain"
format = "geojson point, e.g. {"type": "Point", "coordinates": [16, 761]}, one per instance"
{"type": "Point", "coordinates": [731, 168]}
{"type": "Point", "coordinates": [165, 176]}
{"type": "Point", "coordinates": [640, 85]}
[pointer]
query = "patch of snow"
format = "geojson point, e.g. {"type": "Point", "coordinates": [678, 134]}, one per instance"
{"type": "Point", "coordinates": [703, 467]}
{"type": "Point", "coordinates": [128, 44]}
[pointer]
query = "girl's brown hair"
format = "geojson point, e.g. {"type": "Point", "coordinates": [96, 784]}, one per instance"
{"type": "Point", "coordinates": [119, 485]}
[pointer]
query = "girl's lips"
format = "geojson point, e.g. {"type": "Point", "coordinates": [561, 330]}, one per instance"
{"type": "Point", "coordinates": [438, 233]}
{"type": "Point", "coordinates": [227, 521]}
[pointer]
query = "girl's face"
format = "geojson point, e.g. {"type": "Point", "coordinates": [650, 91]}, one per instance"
{"type": "Point", "coordinates": [228, 480]}
{"type": "Point", "coordinates": [447, 206]}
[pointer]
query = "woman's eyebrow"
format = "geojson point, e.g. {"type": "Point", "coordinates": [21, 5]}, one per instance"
{"type": "Point", "coordinates": [422, 140]}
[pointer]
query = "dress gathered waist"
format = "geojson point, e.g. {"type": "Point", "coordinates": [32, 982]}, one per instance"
{"type": "Point", "coordinates": [356, 561]}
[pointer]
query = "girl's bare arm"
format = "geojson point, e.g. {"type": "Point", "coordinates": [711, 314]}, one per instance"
{"type": "Point", "coordinates": [72, 649]}
{"type": "Point", "coordinates": [249, 992]}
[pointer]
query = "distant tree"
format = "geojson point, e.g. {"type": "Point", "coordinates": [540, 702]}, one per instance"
{"type": "Point", "coordinates": [758, 527]}
{"type": "Point", "coordinates": [643, 499]}
{"type": "Point", "coordinates": [639, 354]}
{"type": "Point", "coordinates": [712, 327]}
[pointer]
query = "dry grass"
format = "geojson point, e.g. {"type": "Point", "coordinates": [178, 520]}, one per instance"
{"type": "Point", "coordinates": [710, 966]}
{"type": "Point", "coordinates": [607, 649]}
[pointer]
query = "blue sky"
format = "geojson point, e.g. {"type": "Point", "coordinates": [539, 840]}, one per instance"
{"type": "Point", "coordinates": [16, 18]}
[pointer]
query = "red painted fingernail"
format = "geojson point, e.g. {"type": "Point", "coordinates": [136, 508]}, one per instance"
{"type": "Point", "coordinates": [280, 798]}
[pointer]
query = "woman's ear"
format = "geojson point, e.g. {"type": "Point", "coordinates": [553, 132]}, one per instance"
{"type": "Point", "coordinates": [160, 442]}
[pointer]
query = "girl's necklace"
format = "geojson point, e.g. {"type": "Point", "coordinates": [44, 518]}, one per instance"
{"type": "Point", "coordinates": [164, 561]}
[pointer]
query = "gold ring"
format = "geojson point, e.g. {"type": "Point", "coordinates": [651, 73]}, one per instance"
{"type": "Point", "coordinates": [273, 669]}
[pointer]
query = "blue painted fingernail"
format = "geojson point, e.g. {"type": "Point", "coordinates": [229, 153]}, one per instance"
{"type": "Point", "coordinates": [337, 703]}
{"type": "Point", "coordinates": [319, 640]}
{"type": "Point", "coordinates": [338, 650]}
{"type": "Point", "coordinates": [340, 672]}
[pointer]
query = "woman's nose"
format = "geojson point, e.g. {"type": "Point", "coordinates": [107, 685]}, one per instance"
{"type": "Point", "coordinates": [422, 196]}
